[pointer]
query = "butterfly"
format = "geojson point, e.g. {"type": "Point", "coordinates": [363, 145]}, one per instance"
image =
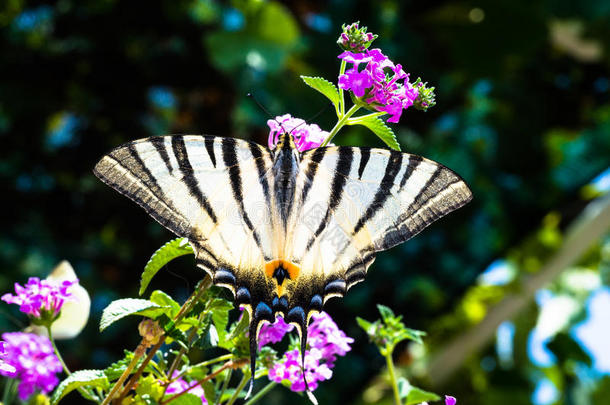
{"type": "Point", "coordinates": [283, 230]}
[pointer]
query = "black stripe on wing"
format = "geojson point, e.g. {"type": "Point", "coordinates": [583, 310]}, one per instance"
{"type": "Point", "coordinates": [342, 170]}
{"type": "Point", "coordinates": [229, 155]}
{"type": "Point", "coordinates": [383, 193]}
{"type": "Point", "coordinates": [179, 149]}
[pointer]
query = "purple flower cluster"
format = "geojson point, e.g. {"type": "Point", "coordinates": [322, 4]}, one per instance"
{"type": "Point", "coordinates": [381, 84]}
{"type": "Point", "coordinates": [40, 298]}
{"type": "Point", "coordinates": [34, 362]}
{"type": "Point", "coordinates": [5, 368]}
{"type": "Point", "coordinates": [326, 342]}
{"type": "Point", "coordinates": [306, 136]}
{"type": "Point", "coordinates": [273, 332]}
{"type": "Point", "coordinates": [180, 385]}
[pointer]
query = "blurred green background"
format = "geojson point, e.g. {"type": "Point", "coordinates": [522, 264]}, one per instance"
{"type": "Point", "coordinates": [523, 114]}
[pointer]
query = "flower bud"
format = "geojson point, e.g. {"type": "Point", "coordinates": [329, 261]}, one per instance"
{"type": "Point", "coordinates": [355, 39]}
{"type": "Point", "coordinates": [150, 331]}
{"type": "Point", "coordinates": [426, 96]}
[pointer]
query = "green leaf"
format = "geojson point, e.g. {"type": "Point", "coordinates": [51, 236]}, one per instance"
{"type": "Point", "coordinates": [166, 253]}
{"type": "Point", "coordinates": [380, 129]}
{"type": "Point", "coordinates": [164, 300]}
{"type": "Point", "coordinates": [323, 86]}
{"type": "Point", "coordinates": [81, 378]}
{"type": "Point", "coordinates": [219, 308]}
{"type": "Point", "coordinates": [386, 313]}
{"type": "Point", "coordinates": [417, 396]}
{"type": "Point", "coordinates": [128, 306]}
{"type": "Point", "coordinates": [209, 391]}
{"type": "Point", "coordinates": [185, 399]}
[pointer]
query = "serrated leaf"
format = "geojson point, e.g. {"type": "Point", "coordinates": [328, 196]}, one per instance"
{"type": "Point", "coordinates": [164, 300]}
{"type": "Point", "coordinates": [166, 253]}
{"type": "Point", "coordinates": [81, 378]}
{"type": "Point", "coordinates": [325, 87]}
{"type": "Point", "coordinates": [380, 129]}
{"type": "Point", "coordinates": [128, 306]}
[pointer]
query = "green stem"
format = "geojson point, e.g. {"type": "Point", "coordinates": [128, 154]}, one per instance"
{"type": "Point", "coordinates": [61, 360]}
{"type": "Point", "coordinates": [84, 391]}
{"type": "Point", "coordinates": [393, 381]}
{"type": "Point", "coordinates": [10, 388]}
{"type": "Point", "coordinates": [225, 384]}
{"type": "Point", "coordinates": [261, 393]}
{"type": "Point", "coordinates": [340, 124]}
{"type": "Point", "coordinates": [240, 387]}
{"type": "Point", "coordinates": [359, 119]}
{"type": "Point", "coordinates": [341, 98]}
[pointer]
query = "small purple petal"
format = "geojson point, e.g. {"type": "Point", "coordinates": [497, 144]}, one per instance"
{"type": "Point", "coordinates": [449, 400]}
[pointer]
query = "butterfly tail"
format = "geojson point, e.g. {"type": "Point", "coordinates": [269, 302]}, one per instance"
{"type": "Point", "coordinates": [253, 353]}
{"type": "Point", "coordinates": [303, 333]}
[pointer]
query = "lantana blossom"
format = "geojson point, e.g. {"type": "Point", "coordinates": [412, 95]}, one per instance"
{"type": "Point", "coordinates": [273, 332]}
{"type": "Point", "coordinates": [325, 340]}
{"type": "Point", "coordinates": [382, 84]}
{"type": "Point", "coordinates": [40, 298]}
{"type": "Point", "coordinates": [449, 400]}
{"type": "Point", "coordinates": [306, 136]}
{"type": "Point", "coordinates": [34, 362]}
{"type": "Point", "coordinates": [6, 369]}
{"type": "Point", "coordinates": [180, 385]}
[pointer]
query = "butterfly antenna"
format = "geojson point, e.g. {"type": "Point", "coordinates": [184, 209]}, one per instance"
{"type": "Point", "coordinates": [262, 107]}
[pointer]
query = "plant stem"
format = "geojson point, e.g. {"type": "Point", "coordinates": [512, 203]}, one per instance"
{"type": "Point", "coordinates": [341, 98]}
{"type": "Point", "coordinates": [56, 350]}
{"type": "Point", "coordinates": [139, 352]}
{"type": "Point", "coordinates": [225, 384]}
{"type": "Point", "coordinates": [261, 393]}
{"type": "Point", "coordinates": [190, 302]}
{"type": "Point", "coordinates": [9, 391]}
{"type": "Point", "coordinates": [393, 381]}
{"type": "Point", "coordinates": [342, 121]}
{"type": "Point", "coordinates": [84, 391]}
{"type": "Point", "coordinates": [240, 387]}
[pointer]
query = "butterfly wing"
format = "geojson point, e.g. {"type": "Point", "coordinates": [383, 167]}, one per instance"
{"type": "Point", "coordinates": [194, 186]}
{"type": "Point", "coordinates": [355, 202]}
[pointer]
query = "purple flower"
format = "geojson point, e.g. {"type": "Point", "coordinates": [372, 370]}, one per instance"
{"type": "Point", "coordinates": [40, 299]}
{"type": "Point", "coordinates": [34, 362]}
{"type": "Point", "coordinates": [5, 368]}
{"type": "Point", "coordinates": [326, 342]}
{"type": "Point", "coordinates": [180, 385]}
{"type": "Point", "coordinates": [289, 369]}
{"type": "Point", "coordinates": [380, 84]}
{"type": "Point", "coordinates": [306, 136]}
{"type": "Point", "coordinates": [273, 332]}
{"type": "Point", "coordinates": [325, 335]}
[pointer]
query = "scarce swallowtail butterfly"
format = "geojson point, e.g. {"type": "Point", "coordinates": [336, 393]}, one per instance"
{"type": "Point", "coordinates": [283, 230]}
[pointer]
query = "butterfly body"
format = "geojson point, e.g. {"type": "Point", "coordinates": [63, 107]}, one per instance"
{"type": "Point", "coordinates": [283, 230]}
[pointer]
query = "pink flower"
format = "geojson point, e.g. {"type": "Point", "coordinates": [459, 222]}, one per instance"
{"type": "Point", "coordinates": [180, 385]}
{"type": "Point", "coordinates": [326, 342]}
{"type": "Point", "coordinates": [289, 369]}
{"type": "Point", "coordinates": [5, 368]}
{"type": "Point", "coordinates": [273, 332]}
{"type": "Point", "coordinates": [40, 299]}
{"type": "Point", "coordinates": [325, 335]}
{"type": "Point", "coordinates": [34, 362]}
{"type": "Point", "coordinates": [381, 84]}
{"type": "Point", "coordinates": [306, 136]}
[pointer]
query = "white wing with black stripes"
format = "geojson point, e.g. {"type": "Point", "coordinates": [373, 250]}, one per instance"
{"type": "Point", "coordinates": [283, 230]}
